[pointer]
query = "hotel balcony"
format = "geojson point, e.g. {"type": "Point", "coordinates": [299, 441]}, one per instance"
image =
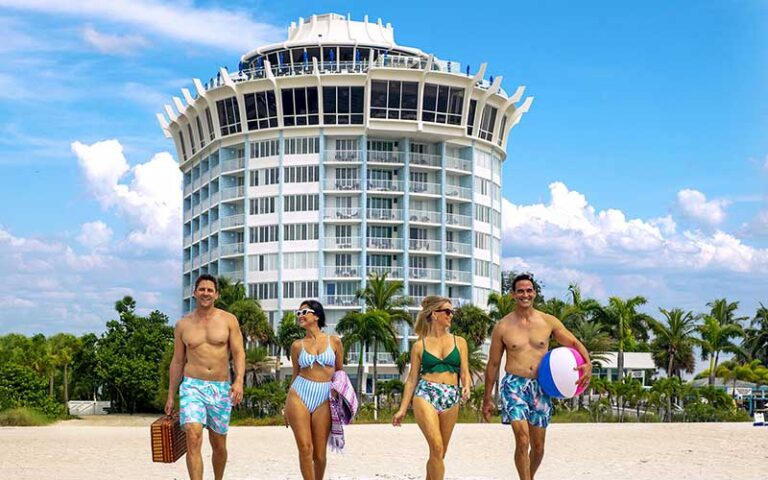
{"type": "Point", "coordinates": [419, 245]}
{"type": "Point", "coordinates": [343, 156]}
{"type": "Point", "coordinates": [458, 276]}
{"type": "Point", "coordinates": [376, 156]}
{"type": "Point", "coordinates": [231, 249]}
{"type": "Point", "coordinates": [385, 186]}
{"type": "Point", "coordinates": [232, 193]}
{"type": "Point", "coordinates": [341, 185]}
{"type": "Point", "coordinates": [458, 164]}
{"type": "Point", "coordinates": [458, 249]}
{"type": "Point", "coordinates": [232, 165]}
{"type": "Point", "coordinates": [426, 160]}
{"type": "Point", "coordinates": [456, 220]}
{"type": "Point", "coordinates": [424, 274]}
{"type": "Point", "coordinates": [384, 243]}
{"type": "Point", "coordinates": [233, 221]}
{"type": "Point", "coordinates": [345, 272]}
{"type": "Point", "coordinates": [424, 188]}
{"type": "Point", "coordinates": [340, 301]}
{"type": "Point", "coordinates": [342, 243]}
{"type": "Point", "coordinates": [342, 214]}
{"type": "Point", "coordinates": [424, 216]}
{"type": "Point", "coordinates": [456, 191]}
{"type": "Point", "coordinates": [392, 272]}
{"type": "Point", "coordinates": [384, 214]}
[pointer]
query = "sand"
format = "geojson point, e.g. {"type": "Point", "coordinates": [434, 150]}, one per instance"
{"type": "Point", "coordinates": [115, 447]}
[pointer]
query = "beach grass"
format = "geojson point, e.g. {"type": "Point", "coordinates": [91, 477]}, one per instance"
{"type": "Point", "coordinates": [23, 417]}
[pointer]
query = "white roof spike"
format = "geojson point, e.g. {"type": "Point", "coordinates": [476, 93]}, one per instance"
{"type": "Point", "coordinates": [187, 96]}
{"type": "Point", "coordinates": [169, 110]}
{"type": "Point", "coordinates": [179, 106]}
{"type": "Point", "coordinates": [199, 86]}
{"type": "Point", "coordinates": [161, 119]}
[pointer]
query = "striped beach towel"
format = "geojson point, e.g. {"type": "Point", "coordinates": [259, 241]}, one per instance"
{"type": "Point", "coordinates": [343, 408]}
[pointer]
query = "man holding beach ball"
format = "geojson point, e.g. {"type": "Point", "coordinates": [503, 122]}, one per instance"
{"type": "Point", "coordinates": [532, 375]}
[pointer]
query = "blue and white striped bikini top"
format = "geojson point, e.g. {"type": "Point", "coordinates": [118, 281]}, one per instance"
{"type": "Point", "coordinates": [327, 358]}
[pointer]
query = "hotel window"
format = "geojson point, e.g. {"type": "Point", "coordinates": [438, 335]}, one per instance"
{"type": "Point", "coordinates": [191, 139]}
{"type": "Point", "coordinates": [343, 105]}
{"type": "Point", "coordinates": [482, 241]}
{"type": "Point", "coordinates": [482, 268]}
{"type": "Point", "coordinates": [482, 186]}
{"type": "Point", "coordinates": [482, 214]}
{"type": "Point", "coordinates": [262, 206]}
{"type": "Point", "coordinates": [302, 174]}
{"type": "Point", "coordinates": [471, 117]}
{"type": "Point", "coordinates": [229, 116]}
{"type": "Point", "coordinates": [265, 176]}
{"type": "Point", "coordinates": [301, 289]}
{"type": "Point", "coordinates": [261, 110]}
{"type": "Point", "coordinates": [263, 263]}
{"type": "Point", "coordinates": [302, 145]}
{"type": "Point", "coordinates": [379, 260]}
{"type": "Point", "coordinates": [300, 203]}
{"type": "Point", "coordinates": [442, 104]}
{"type": "Point", "coordinates": [501, 130]}
{"type": "Point", "coordinates": [183, 146]}
{"type": "Point", "coordinates": [299, 260]}
{"type": "Point", "coordinates": [209, 121]}
{"type": "Point", "coordinates": [487, 123]}
{"type": "Point", "coordinates": [265, 148]}
{"type": "Point", "coordinates": [200, 131]}
{"type": "Point", "coordinates": [300, 231]}
{"type": "Point", "coordinates": [394, 99]}
{"type": "Point", "coordinates": [417, 290]}
{"type": "Point", "coordinates": [264, 234]}
{"type": "Point", "coordinates": [299, 106]}
{"type": "Point", "coordinates": [263, 291]}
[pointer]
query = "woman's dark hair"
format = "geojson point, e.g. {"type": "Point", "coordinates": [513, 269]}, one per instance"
{"type": "Point", "coordinates": [319, 312]}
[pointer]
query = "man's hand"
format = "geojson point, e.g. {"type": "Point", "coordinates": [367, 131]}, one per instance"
{"type": "Point", "coordinates": [585, 375]}
{"type": "Point", "coordinates": [487, 408]}
{"type": "Point", "coordinates": [170, 403]}
{"type": "Point", "coordinates": [236, 393]}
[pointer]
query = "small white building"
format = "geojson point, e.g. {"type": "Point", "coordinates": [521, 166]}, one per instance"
{"type": "Point", "coordinates": [637, 365]}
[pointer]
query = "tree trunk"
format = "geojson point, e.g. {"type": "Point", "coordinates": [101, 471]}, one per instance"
{"type": "Point", "coordinates": [66, 383]}
{"type": "Point", "coordinates": [620, 379]}
{"type": "Point", "coordinates": [50, 382]}
{"type": "Point", "coordinates": [360, 374]}
{"type": "Point", "coordinates": [375, 380]}
{"type": "Point", "coordinates": [712, 363]}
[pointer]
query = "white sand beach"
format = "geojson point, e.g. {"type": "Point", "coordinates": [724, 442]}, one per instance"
{"type": "Point", "coordinates": [118, 448]}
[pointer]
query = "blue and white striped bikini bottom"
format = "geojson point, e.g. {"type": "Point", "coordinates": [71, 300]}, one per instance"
{"type": "Point", "coordinates": [312, 394]}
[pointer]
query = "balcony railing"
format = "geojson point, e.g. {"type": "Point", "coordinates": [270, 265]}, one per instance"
{"type": "Point", "coordinates": [350, 213]}
{"type": "Point", "coordinates": [340, 300]}
{"type": "Point", "coordinates": [196, 262]}
{"type": "Point", "coordinates": [392, 272]}
{"type": "Point", "coordinates": [346, 156]}
{"type": "Point", "coordinates": [382, 358]}
{"type": "Point", "coordinates": [342, 243]}
{"type": "Point", "coordinates": [425, 159]}
{"type": "Point", "coordinates": [459, 276]}
{"type": "Point", "coordinates": [375, 185]}
{"type": "Point", "coordinates": [187, 188]}
{"type": "Point", "coordinates": [196, 183]}
{"type": "Point", "coordinates": [417, 273]}
{"type": "Point", "coordinates": [458, 248]}
{"type": "Point", "coordinates": [415, 301]}
{"type": "Point", "coordinates": [343, 185]}
{"type": "Point", "coordinates": [232, 249]}
{"type": "Point", "coordinates": [457, 191]}
{"type": "Point", "coordinates": [234, 275]}
{"type": "Point", "coordinates": [455, 163]}
{"type": "Point", "coordinates": [232, 165]}
{"type": "Point", "coordinates": [460, 302]}
{"type": "Point", "coordinates": [454, 219]}
{"type": "Point", "coordinates": [424, 188]}
{"type": "Point", "coordinates": [188, 214]}
{"type": "Point", "coordinates": [384, 214]}
{"type": "Point", "coordinates": [214, 225]}
{"type": "Point", "coordinates": [187, 240]}
{"type": "Point", "coordinates": [233, 221]}
{"type": "Point", "coordinates": [214, 253]}
{"type": "Point", "coordinates": [384, 243]}
{"type": "Point", "coordinates": [377, 156]}
{"type": "Point", "coordinates": [187, 265]}
{"type": "Point", "coordinates": [416, 244]}
{"type": "Point", "coordinates": [424, 216]}
{"type": "Point", "coordinates": [215, 170]}
{"type": "Point", "coordinates": [232, 192]}
{"type": "Point", "coordinates": [342, 271]}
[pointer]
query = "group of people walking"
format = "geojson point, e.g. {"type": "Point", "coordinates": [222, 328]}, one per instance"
{"type": "Point", "coordinates": [437, 383]}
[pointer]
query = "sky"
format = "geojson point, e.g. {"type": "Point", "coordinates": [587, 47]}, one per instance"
{"type": "Point", "coordinates": [641, 168]}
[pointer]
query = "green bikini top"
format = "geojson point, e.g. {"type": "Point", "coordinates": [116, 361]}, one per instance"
{"type": "Point", "coordinates": [432, 364]}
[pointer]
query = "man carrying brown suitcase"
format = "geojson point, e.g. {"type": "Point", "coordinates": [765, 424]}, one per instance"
{"type": "Point", "coordinates": [204, 341]}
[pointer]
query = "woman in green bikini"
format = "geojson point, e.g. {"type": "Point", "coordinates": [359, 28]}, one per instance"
{"type": "Point", "coordinates": [438, 380]}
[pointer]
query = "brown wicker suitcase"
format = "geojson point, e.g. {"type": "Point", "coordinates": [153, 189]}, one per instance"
{"type": "Point", "coordinates": [169, 442]}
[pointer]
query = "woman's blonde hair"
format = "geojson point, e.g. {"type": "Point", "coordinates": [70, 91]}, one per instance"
{"type": "Point", "coordinates": [424, 318]}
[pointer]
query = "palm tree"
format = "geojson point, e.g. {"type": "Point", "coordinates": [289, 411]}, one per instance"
{"type": "Point", "coordinates": [472, 323]}
{"type": "Point", "coordinates": [715, 338]}
{"type": "Point", "coordinates": [363, 329]}
{"type": "Point", "coordinates": [580, 309]}
{"type": "Point", "coordinates": [66, 347]}
{"type": "Point", "coordinates": [756, 336]}
{"type": "Point", "coordinates": [622, 316]}
{"type": "Point", "coordinates": [673, 346]}
{"type": "Point", "coordinates": [477, 360]}
{"type": "Point", "coordinates": [500, 305]}
{"type": "Point", "coordinates": [257, 362]}
{"type": "Point", "coordinates": [594, 338]}
{"type": "Point", "coordinates": [287, 332]}
{"type": "Point", "coordinates": [725, 311]}
{"type": "Point", "coordinates": [252, 319]}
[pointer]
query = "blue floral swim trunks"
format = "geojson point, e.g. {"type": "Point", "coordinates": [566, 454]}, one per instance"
{"type": "Point", "coordinates": [523, 399]}
{"type": "Point", "coordinates": [205, 402]}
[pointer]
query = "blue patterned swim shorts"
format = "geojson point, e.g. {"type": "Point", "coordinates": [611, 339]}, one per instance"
{"type": "Point", "coordinates": [205, 402]}
{"type": "Point", "coordinates": [523, 399]}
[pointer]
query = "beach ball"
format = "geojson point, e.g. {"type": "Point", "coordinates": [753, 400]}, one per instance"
{"type": "Point", "coordinates": [557, 376]}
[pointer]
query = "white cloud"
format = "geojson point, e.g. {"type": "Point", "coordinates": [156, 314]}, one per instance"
{"type": "Point", "coordinates": [693, 204]}
{"type": "Point", "coordinates": [231, 30]}
{"type": "Point", "coordinates": [94, 234]}
{"type": "Point", "coordinates": [151, 202]}
{"type": "Point", "coordinates": [114, 44]}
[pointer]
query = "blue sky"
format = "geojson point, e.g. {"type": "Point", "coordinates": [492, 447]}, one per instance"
{"type": "Point", "coordinates": [641, 168]}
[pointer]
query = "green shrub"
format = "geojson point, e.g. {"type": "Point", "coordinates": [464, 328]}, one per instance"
{"type": "Point", "coordinates": [20, 387]}
{"type": "Point", "coordinates": [23, 417]}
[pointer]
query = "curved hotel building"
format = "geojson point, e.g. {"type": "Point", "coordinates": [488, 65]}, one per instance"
{"type": "Point", "coordinates": [338, 153]}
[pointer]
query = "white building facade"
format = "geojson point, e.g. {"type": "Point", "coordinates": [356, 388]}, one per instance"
{"type": "Point", "coordinates": [338, 153]}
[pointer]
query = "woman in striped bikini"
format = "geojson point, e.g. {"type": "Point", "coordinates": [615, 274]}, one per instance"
{"type": "Point", "coordinates": [315, 358]}
{"type": "Point", "coordinates": [438, 361]}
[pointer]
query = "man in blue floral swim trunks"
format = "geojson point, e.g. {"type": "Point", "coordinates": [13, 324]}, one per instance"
{"type": "Point", "coordinates": [204, 341]}
{"type": "Point", "coordinates": [524, 336]}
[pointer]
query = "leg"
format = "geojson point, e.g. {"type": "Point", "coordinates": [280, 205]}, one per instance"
{"type": "Point", "coordinates": [538, 436]}
{"type": "Point", "coordinates": [447, 422]}
{"type": "Point", "coordinates": [219, 457]}
{"type": "Point", "coordinates": [321, 430]}
{"type": "Point", "coordinates": [522, 449]}
{"type": "Point", "coordinates": [429, 423]}
{"type": "Point", "coordinates": [300, 421]}
{"type": "Point", "coordinates": [194, 432]}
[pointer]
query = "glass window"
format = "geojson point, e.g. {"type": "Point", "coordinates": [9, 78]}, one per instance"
{"type": "Point", "coordinates": [343, 105]}
{"type": "Point", "coordinates": [394, 99]}
{"type": "Point", "coordinates": [471, 117]}
{"type": "Point", "coordinates": [300, 106]}
{"type": "Point", "coordinates": [487, 123]}
{"type": "Point", "coordinates": [229, 116]}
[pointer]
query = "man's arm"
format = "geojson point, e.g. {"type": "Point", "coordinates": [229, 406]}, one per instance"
{"type": "Point", "coordinates": [238, 359]}
{"type": "Point", "coordinates": [567, 339]}
{"type": "Point", "coordinates": [176, 368]}
{"type": "Point", "coordinates": [492, 368]}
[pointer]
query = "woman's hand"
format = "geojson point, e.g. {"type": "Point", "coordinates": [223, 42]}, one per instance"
{"type": "Point", "coordinates": [465, 393]}
{"type": "Point", "coordinates": [397, 418]}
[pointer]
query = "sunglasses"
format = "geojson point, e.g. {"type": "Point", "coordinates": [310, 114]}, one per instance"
{"type": "Point", "coordinates": [447, 311]}
{"type": "Point", "coordinates": [301, 313]}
